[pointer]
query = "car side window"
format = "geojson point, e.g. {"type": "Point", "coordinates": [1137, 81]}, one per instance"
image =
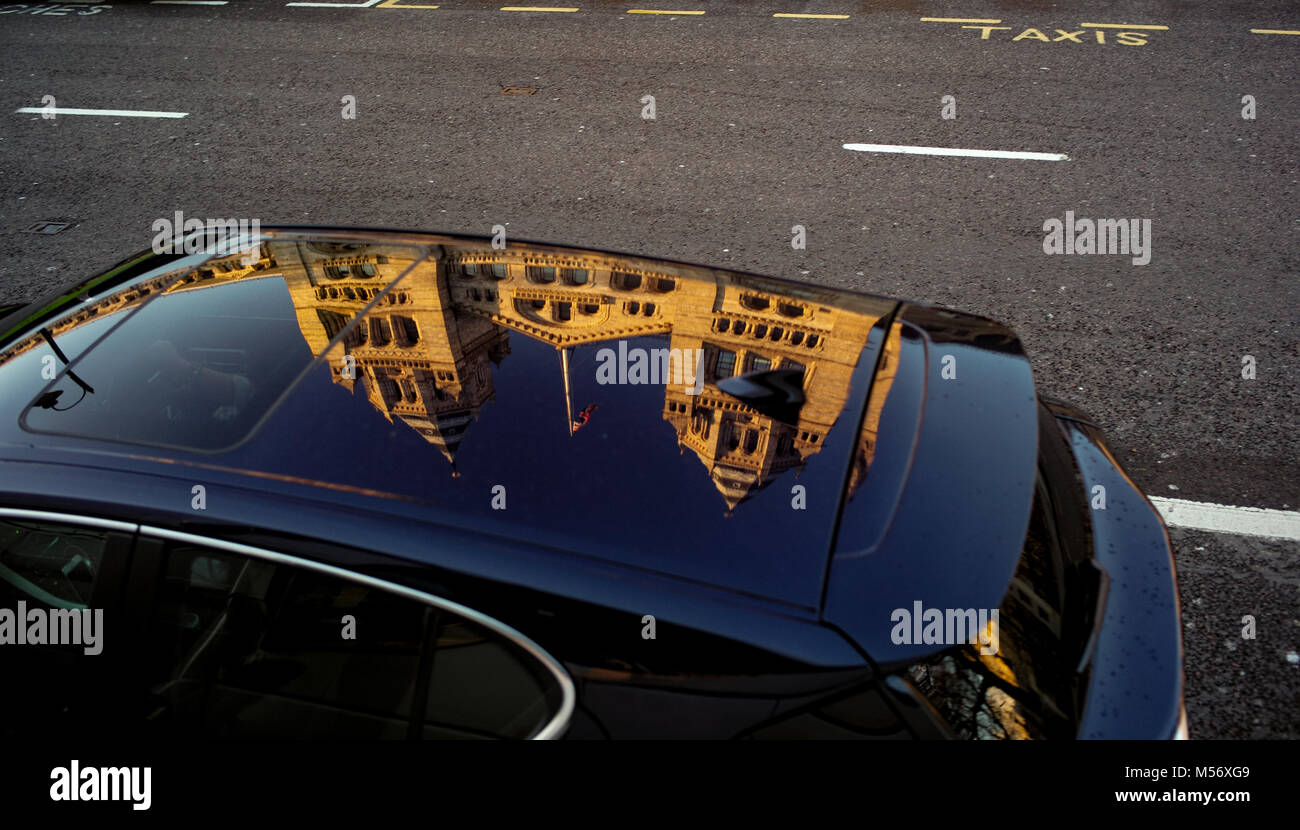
{"type": "Point", "coordinates": [244, 647]}
{"type": "Point", "coordinates": [50, 565]}
{"type": "Point", "coordinates": [57, 638]}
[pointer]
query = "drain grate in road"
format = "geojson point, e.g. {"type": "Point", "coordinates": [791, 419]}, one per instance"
{"type": "Point", "coordinates": [49, 227]}
{"type": "Point", "coordinates": [518, 90]}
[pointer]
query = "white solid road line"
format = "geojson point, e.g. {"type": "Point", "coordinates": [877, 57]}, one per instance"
{"type": "Point", "coordinates": [1222, 518]}
{"type": "Point", "coordinates": [364, 5]}
{"type": "Point", "coordinates": [955, 151]}
{"type": "Point", "coordinates": [113, 113]}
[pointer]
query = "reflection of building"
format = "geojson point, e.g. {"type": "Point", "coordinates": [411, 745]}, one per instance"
{"type": "Point", "coordinates": [419, 360]}
{"type": "Point", "coordinates": [742, 324]}
{"type": "Point", "coordinates": [223, 269]}
{"type": "Point", "coordinates": [744, 328]}
{"type": "Point", "coordinates": [880, 386]}
{"type": "Point", "coordinates": [424, 351]}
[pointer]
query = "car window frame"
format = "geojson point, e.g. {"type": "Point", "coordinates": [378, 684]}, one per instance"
{"type": "Point", "coordinates": [559, 722]}
{"type": "Point", "coordinates": [552, 730]}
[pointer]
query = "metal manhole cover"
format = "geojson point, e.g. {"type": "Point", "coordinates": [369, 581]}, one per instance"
{"type": "Point", "coordinates": [49, 227]}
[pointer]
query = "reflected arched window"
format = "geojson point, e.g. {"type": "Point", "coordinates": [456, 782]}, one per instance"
{"type": "Point", "coordinates": [408, 390]}
{"type": "Point", "coordinates": [649, 309]}
{"type": "Point", "coordinates": [701, 421]}
{"type": "Point", "coordinates": [564, 312]}
{"type": "Point", "coordinates": [541, 274]}
{"type": "Point", "coordinates": [813, 340]}
{"type": "Point", "coordinates": [790, 310]}
{"type": "Point", "coordinates": [751, 441]}
{"type": "Point", "coordinates": [405, 331]}
{"type": "Point", "coordinates": [722, 325]}
{"type": "Point", "coordinates": [726, 364]}
{"type": "Point", "coordinates": [625, 282]}
{"type": "Point", "coordinates": [381, 334]}
{"type": "Point", "coordinates": [753, 303]}
{"type": "Point", "coordinates": [469, 271]}
{"type": "Point", "coordinates": [538, 304]}
{"type": "Point", "coordinates": [738, 328]}
{"type": "Point", "coordinates": [577, 276]}
{"type": "Point", "coordinates": [499, 272]}
{"type": "Point", "coordinates": [633, 307]}
{"type": "Point", "coordinates": [332, 321]}
{"type": "Point", "coordinates": [796, 337]}
{"type": "Point", "coordinates": [663, 285]}
{"type": "Point", "coordinates": [590, 308]}
{"type": "Point", "coordinates": [777, 333]}
{"type": "Point", "coordinates": [760, 331]}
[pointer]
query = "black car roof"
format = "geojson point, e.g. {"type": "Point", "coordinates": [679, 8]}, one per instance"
{"type": "Point", "coordinates": [450, 378]}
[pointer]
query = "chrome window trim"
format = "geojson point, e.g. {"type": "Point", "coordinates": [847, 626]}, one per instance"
{"type": "Point", "coordinates": [552, 730]}
{"type": "Point", "coordinates": [68, 518]}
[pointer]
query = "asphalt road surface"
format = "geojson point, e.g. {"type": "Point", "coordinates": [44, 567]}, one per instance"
{"type": "Point", "coordinates": [468, 116]}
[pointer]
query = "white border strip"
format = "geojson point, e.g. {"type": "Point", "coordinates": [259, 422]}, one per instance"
{"type": "Point", "coordinates": [188, 2]}
{"type": "Point", "coordinates": [113, 113]}
{"type": "Point", "coordinates": [955, 151]}
{"type": "Point", "coordinates": [1222, 518]}
{"type": "Point", "coordinates": [365, 5]}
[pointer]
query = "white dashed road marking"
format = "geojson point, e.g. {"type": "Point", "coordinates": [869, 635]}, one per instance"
{"type": "Point", "coordinates": [364, 5]}
{"type": "Point", "coordinates": [955, 151]}
{"type": "Point", "coordinates": [1222, 518]}
{"type": "Point", "coordinates": [113, 113]}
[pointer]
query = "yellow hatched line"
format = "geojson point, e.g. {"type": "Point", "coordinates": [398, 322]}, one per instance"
{"type": "Point", "coordinates": [539, 8]}
{"type": "Point", "coordinates": [658, 11]}
{"type": "Point", "coordinates": [815, 16]}
{"type": "Point", "coordinates": [1274, 32]}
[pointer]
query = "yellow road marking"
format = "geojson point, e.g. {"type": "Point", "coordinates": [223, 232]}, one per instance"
{"type": "Point", "coordinates": [959, 20]}
{"type": "Point", "coordinates": [1274, 32]}
{"type": "Point", "coordinates": [657, 11]}
{"type": "Point", "coordinates": [1122, 26]}
{"type": "Point", "coordinates": [816, 16]}
{"type": "Point", "coordinates": [539, 8]}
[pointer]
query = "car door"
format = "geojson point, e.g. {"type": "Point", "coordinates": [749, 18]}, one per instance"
{"type": "Point", "coordinates": [240, 642]}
